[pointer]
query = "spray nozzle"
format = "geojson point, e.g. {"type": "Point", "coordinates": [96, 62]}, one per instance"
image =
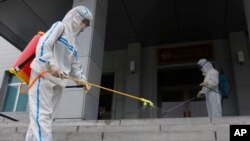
{"type": "Point", "coordinates": [147, 102]}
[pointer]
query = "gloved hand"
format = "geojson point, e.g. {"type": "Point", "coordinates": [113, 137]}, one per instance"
{"type": "Point", "coordinates": [55, 72]}
{"type": "Point", "coordinates": [204, 84]}
{"type": "Point", "coordinates": [200, 95]}
{"type": "Point", "coordinates": [87, 87]}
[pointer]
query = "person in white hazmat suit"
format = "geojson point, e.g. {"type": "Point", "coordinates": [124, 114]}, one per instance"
{"type": "Point", "coordinates": [56, 52]}
{"type": "Point", "coordinates": [210, 88]}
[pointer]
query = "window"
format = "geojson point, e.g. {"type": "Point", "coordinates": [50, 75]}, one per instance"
{"type": "Point", "coordinates": [14, 100]}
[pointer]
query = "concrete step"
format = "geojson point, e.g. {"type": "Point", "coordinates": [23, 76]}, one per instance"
{"type": "Point", "coordinates": [171, 129]}
{"type": "Point", "coordinates": [155, 136]}
{"type": "Point", "coordinates": [100, 131]}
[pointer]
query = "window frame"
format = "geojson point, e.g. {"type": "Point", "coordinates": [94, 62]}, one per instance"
{"type": "Point", "coordinates": [9, 84]}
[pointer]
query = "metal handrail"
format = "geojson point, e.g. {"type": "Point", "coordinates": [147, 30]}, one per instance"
{"type": "Point", "coordinates": [8, 117]}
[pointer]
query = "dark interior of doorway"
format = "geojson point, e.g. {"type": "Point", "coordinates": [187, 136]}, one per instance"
{"type": "Point", "coordinates": [178, 84]}
{"type": "Point", "coordinates": [105, 100]}
{"type": "Point", "coordinates": [172, 82]}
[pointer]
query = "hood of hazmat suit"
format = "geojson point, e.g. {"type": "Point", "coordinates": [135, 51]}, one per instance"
{"type": "Point", "coordinates": [73, 19]}
{"type": "Point", "coordinates": [205, 66]}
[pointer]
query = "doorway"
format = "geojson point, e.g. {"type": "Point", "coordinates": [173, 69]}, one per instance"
{"type": "Point", "coordinates": [177, 85]}
{"type": "Point", "coordinates": [106, 97]}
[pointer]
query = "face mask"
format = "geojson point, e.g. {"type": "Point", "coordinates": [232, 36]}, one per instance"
{"type": "Point", "coordinates": [81, 30]}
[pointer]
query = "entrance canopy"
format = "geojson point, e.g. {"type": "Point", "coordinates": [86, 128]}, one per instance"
{"type": "Point", "coordinates": [152, 22]}
{"type": "Point", "coordinates": [20, 20]}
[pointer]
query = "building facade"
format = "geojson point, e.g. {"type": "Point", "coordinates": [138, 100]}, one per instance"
{"type": "Point", "coordinates": [165, 74]}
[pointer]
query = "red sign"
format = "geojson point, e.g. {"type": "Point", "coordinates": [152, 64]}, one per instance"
{"type": "Point", "coordinates": [184, 54]}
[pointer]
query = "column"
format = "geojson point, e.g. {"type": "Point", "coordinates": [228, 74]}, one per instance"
{"type": "Point", "coordinates": [120, 61]}
{"type": "Point", "coordinates": [241, 69]}
{"type": "Point", "coordinates": [75, 101]}
{"type": "Point", "coordinates": [246, 4]}
{"type": "Point", "coordinates": [133, 73]}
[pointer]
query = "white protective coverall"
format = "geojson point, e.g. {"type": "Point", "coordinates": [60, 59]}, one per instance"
{"type": "Point", "coordinates": [211, 80]}
{"type": "Point", "coordinates": [57, 47]}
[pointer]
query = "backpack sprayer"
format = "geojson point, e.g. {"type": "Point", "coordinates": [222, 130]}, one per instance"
{"type": "Point", "coordinates": [22, 70]}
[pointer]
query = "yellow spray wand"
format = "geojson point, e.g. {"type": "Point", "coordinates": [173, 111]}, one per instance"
{"type": "Point", "coordinates": [145, 101]}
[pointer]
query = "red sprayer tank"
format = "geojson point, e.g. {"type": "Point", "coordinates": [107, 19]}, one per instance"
{"type": "Point", "coordinates": [21, 68]}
